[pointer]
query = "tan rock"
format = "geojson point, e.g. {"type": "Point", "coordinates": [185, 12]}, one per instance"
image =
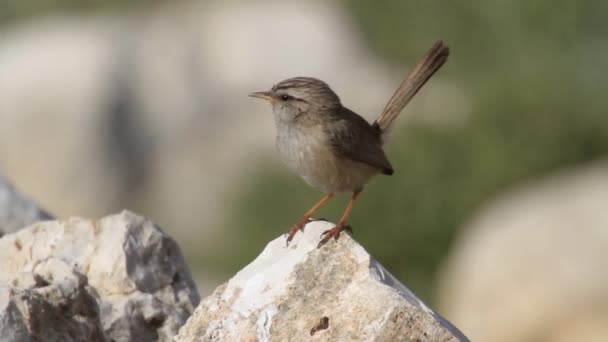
{"type": "Point", "coordinates": [532, 265]}
{"type": "Point", "coordinates": [336, 293]}
{"type": "Point", "coordinates": [119, 278]}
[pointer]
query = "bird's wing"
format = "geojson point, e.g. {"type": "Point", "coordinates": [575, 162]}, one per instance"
{"type": "Point", "coordinates": [354, 138]}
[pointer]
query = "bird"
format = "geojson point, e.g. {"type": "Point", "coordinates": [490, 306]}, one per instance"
{"type": "Point", "coordinates": [329, 146]}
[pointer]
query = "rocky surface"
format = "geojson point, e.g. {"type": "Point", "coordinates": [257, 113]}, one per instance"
{"type": "Point", "coordinates": [535, 261]}
{"type": "Point", "coordinates": [335, 293]}
{"type": "Point", "coordinates": [120, 278]}
{"type": "Point", "coordinates": [65, 312]}
{"type": "Point", "coordinates": [17, 210]}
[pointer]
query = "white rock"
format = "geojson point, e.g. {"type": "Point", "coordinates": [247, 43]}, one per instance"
{"type": "Point", "coordinates": [286, 292]}
{"type": "Point", "coordinates": [120, 278]}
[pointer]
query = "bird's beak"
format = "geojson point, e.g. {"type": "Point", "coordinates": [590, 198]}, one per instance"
{"type": "Point", "coordinates": [266, 95]}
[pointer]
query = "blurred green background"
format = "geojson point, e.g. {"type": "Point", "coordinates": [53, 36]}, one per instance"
{"type": "Point", "coordinates": [533, 75]}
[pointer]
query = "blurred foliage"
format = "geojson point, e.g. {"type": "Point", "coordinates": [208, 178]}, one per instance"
{"type": "Point", "coordinates": [533, 73]}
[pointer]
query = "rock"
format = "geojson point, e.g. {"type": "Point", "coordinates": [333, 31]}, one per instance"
{"type": "Point", "coordinates": [535, 261]}
{"type": "Point", "coordinates": [16, 210]}
{"type": "Point", "coordinates": [335, 293]}
{"type": "Point", "coordinates": [25, 315]}
{"type": "Point", "coordinates": [119, 278]}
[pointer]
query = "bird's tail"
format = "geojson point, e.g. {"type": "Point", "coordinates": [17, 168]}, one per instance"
{"type": "Point", "coordinates": [424, 69]}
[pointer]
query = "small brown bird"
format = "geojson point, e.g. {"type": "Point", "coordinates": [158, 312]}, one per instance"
{"type": "Point", "coordinates": [331, 147]}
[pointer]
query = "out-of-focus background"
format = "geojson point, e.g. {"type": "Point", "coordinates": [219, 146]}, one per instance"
{"type": "Point", "coordinates": [497, 214]}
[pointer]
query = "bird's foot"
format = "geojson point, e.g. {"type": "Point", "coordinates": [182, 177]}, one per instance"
{"type": "Point", "coordinates": [299, 227]}
{"type": "Point", "coordinates": [296, 227]}
{"type": "Point", "coordinates": [334, 233]}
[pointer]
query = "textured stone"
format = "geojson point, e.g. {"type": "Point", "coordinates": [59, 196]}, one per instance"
{"type": "Point", "coordinates": [26, 315]}
{"type": "Point", "coordinates": [535, 261]}
{"type": "Point", "coordinates": [16, 210]}
{"type": "Point", "coordinates": [119, 278]}
{"type": "Point", "coordinates": [335, 293]}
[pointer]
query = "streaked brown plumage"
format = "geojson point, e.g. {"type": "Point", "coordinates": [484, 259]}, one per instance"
{"type": "Point", "coordinates": [331, 147]}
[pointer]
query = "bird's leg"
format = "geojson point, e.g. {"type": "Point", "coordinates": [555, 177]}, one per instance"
{"type": "Point", "coordinates": [300, 225]}
{"type": "Point", "coordinates": [341, 226]}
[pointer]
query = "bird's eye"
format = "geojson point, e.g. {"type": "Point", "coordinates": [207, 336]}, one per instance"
{"type": "Point", "coordinates": [285, 97]}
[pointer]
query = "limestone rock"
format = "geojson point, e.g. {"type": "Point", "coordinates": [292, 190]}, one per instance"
{"type": "Point", "coordinates": [535, 261]}
{"type": "Point", "coordinates": [16, 210]}
{"type": "Point", "coordinates": [26, 315]}
{"type": "Point", "coordinates": [120, 278]}
{"type": "Point", "coordinates": [301, 293]}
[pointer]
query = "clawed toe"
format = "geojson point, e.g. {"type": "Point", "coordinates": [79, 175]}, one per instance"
{"type": "Point", "coordinates": [334, 232]}
{"type": "Point", "coordinates": [325, 236]}
{"type": "Point", "coordinates": [293, 231]}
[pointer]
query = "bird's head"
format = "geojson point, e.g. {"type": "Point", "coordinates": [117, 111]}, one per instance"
{"type": "Point", "coordinates": [297, 96]}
